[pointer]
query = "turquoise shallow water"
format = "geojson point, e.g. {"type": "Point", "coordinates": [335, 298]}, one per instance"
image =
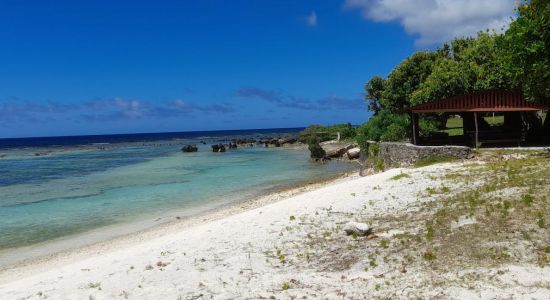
{"type": "Point", "coordinates": [70, 192]}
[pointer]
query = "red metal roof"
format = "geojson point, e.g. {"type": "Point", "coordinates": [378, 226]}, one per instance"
{"type": "Point", "coordinates": [483, 101]}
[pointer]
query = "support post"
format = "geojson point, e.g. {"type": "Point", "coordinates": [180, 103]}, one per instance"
{"type": "Point", "coordinates": [477, 130]}
{"type": "Point", "coordinates": [414, 128]}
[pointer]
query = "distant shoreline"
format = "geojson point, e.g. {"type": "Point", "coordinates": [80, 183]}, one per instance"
{"type": "Point", "coordinates": [147, 135]}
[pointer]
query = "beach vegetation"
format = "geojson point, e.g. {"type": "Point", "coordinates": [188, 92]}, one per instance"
{"type": "Point", "coordinates": [292, 218]}
{"type": "Point", "coordinates": [428, 255]}
{"type": "Point", "coordinates": [315, 149]}
{"type": "Point", "coordinates": [326, 133]}
{"type": "Point", "coordinates": [378, 165]}
{"type": "Point", "coordinates": [433, 160]}
{"type": "Point", "coordinates": [285, 286]}
{"type": "Point", "coordinates": [517, 59]}
{"type": "Point", "coordinates": [94, 285]}
{"type": "Point", "coordinates": [400, 176]}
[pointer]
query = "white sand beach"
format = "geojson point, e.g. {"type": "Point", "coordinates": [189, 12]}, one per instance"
{"type": "Point", "coordinates": [278, 248]}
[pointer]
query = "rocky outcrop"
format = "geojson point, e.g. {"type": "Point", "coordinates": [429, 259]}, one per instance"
{"type": "Point", "coordinates": [359, 229]}
{"type": "Point", "coordinates": [288, 140]}
{"type": "Point", "coordinates": [218, 148]}
{"type": "Point", "coordinates": [353, 153]}
{"type": "Point", "coordinates": [405, 154]}
{"type": "Point", "coordinates": [336, 150]}
{"type": "Point", "coordinates": [189, 148]}
{"type": "Point", "coordinates": [244, 141]}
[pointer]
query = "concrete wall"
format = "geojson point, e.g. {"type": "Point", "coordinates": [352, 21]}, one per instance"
{"type": "Point", "coordinates": [405, 154]}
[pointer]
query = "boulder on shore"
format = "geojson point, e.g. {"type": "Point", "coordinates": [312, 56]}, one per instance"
{"type": "Point", "coordinates": [359, 229]}
{"type": "Point", "coordinates": [353, 153]}
{"type": "Point", "coordinates": [337, 150]}
{"type": "Point", "coordinates": [189, 148]}
{"type": "Point", "coordinates": [218, 148]}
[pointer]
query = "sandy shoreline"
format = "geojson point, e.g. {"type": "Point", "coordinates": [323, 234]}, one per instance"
{"type": "Point", "coordinates": [65, 250]}
{"type": "Point", "coordinates": [285, 246]}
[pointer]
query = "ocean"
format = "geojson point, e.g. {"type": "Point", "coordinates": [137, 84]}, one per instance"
{"type": "Point", "coordinates": [61, 187]}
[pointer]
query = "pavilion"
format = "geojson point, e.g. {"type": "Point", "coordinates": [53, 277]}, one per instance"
{"type": "Point", "coordinates": [523, 121]}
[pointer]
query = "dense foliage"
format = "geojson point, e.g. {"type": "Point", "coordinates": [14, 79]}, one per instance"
{"type": "Point", "coordinates": [519, 59]}
{"type": "Point", "coordinates": [325, 133]}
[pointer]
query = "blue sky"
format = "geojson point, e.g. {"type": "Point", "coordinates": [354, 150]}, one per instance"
{"type": "Point", "coordinates": [97, 67]}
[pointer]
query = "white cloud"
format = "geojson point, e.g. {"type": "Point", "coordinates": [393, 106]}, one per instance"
{"type": "Point", "coordinates": [312, 19]}
{"type": "Point", "coordinates": [436, 21]}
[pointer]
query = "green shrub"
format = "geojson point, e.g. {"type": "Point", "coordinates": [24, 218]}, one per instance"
{"type": "Point", "coordinates": [385, 126]}
{"type": "Point", "coordinates": [326, 133]}
{"type": "Point", "coordinates": [316, 151]}
{"type": "Point", "coordinates": [379, 165]}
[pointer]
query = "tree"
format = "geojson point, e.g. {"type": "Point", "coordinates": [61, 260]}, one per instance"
{"type": "Point", "coordinates": [374, 90]}
{"type": "Point", "coordinates": [527, 49]}
{"type": "Point", "coordinates": [405, 79]}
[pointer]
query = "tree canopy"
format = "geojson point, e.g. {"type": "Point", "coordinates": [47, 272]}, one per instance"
{"type": "Point", "coordinates": [518, 59]}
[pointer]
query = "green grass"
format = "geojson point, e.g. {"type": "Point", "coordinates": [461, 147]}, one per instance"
{"type": "Point", "coordinates": [433, 160]}
{"type": "Point", "coordinates": [399, 176]}
{"type": "Point", "coordinates": [496, 121]}
{"type": "Point", "coordinates": [454, 126]}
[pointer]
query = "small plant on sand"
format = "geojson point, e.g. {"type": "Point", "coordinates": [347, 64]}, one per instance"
{"type": "Point", "coordinates": [384, 243]}
{"type": "Point", "coordinates": [285, 286]}
{"type": "Point", "coordinates": [428, 255]}
{"type": "Point", "coordinates": [540, 221]}
{"type": "Point", "coordinates": [430, 191]}
{"type": "Point", "coordinates": [429, 230]}
{"type": "Point", "coordinates": [292, 218]}
{"type": "Point", "coordinates": [527, 199]}
{"type": "Point", "coordinates": [94, 285]}
{"type": "Point", "coordinates": [379, 165]}
{"type": "Point", "coordinates": [401, 175]}
{"type": "Point", "coordinates": [281, 256]}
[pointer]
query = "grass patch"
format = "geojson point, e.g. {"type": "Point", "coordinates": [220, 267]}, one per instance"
{"type": "Point", "coordinates": [400, 176]}
{"type": "Point", "coordinates": [433, 160]}
{"type": "Point", "coordinates": [454, 127]}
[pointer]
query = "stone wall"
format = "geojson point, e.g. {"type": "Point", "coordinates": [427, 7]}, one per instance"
{"type": "Point", "coordinates": [405, 154]}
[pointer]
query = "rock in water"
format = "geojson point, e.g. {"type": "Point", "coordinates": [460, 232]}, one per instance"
{"type": "Point", "coordinates": [218, 148]}
{"type": "Point", "coordinates": [288, 140]}
{"type": "Point", "coordinates": [354, 153]}
{"type": "Point", "coordinates": [360, 229]}
{"type": "Point", "coordinates": [189, 148]}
